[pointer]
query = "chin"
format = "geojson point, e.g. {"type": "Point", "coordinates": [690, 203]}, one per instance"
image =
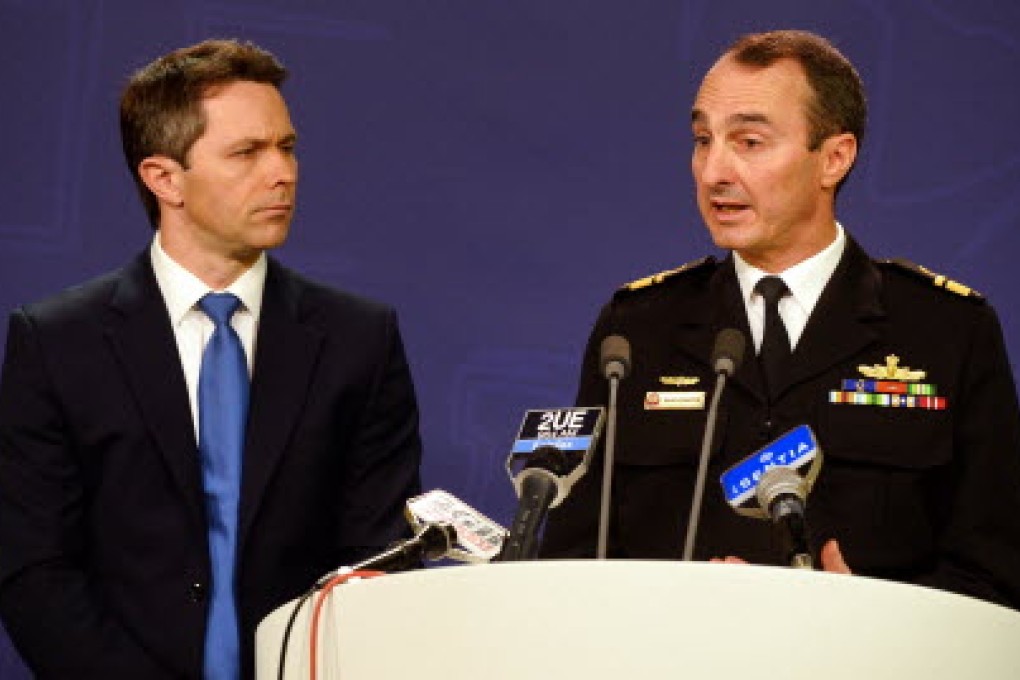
{"type": "Point", "coordinates": [271, 236]}
{"type": "Point", "coordinates": [731, 238]}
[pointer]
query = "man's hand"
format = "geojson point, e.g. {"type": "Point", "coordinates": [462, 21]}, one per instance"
{"type": "Point", "coordinates": [831, 558]}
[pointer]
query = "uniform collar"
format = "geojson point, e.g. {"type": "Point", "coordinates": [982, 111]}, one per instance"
{"type": "Point", "coordinates": [806, 279]}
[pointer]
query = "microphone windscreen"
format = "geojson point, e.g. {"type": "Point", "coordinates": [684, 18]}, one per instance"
{"type": "Point", "coordinates": [614, 357]}
{"type": "Point", "coordinates": [728, 351]}
{"type": "Point", "coordinates": [550, 458]}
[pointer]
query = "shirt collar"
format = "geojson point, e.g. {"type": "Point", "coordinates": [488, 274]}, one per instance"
{"type": "Point", "coordinates": [806, 279]}
{"type": "Point", "coordinates": [182, 290]}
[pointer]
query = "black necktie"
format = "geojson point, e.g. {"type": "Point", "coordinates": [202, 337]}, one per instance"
{"type": "Point", "coordinates": [775, 343]}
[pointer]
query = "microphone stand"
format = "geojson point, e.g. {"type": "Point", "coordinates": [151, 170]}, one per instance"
{"type": "Point", "coordinates": [607, 467]}
{"type": "Point", "coordinates": [699, 484]}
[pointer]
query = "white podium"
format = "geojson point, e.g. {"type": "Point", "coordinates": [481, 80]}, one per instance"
{"type": "Point", "coordinates": [630, 620]}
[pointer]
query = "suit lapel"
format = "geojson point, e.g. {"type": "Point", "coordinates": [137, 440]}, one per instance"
{"type": "Point", "coordinates": [842, 323]}
{"type": "Point", "coordinates": [143, 341]}
{"type": "Point", "coordinates": [286, 353]}
{"type": "Point", "coordinates": [730, 312]}
{"type": "Point", "coordinates": [720, 306]}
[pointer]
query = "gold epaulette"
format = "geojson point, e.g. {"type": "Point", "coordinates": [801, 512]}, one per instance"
{"type": "Point", "coordinates": [937, 280]}
{"type": "Point", "coordinates": [656, 279]}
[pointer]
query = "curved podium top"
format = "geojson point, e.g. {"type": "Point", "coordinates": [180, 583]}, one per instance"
{"type": "Point", "coordinates": [631, 620]}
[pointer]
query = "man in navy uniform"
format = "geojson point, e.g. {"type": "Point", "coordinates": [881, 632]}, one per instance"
{"type": "Point", "coordinates": [902, 374]}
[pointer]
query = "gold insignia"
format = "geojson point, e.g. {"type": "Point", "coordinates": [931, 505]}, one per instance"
{"type": "Point", "coordinates": [938, 280]}
{"type": "Point", "coordinates": [891, 371]}
{"type": "Point", "coordinates": [679, 380]}
{"type": "Point", "coordinates": [656, 279]}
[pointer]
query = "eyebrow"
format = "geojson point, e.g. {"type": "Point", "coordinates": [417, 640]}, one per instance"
{"type": "Point", "coordinates": [263, 141]}
{"type": "Point", "coordinates": [699, 116]}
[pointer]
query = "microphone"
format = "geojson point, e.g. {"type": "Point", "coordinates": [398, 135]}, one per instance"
{"type": "Point", "coordinates": [727, 354]}
{"type": "Point", "coordinates": [552, 451]}
{"type": "Point", "coordinates": [614, 358]}
{"type": "Point", "coordinates": [728, 351]}
{"type": "Point", "coordinates": [537, 486]}
{"type": "Point", "coordinates": [479, 539]}
{"type": "Point", "coordinates": [768, 484]}
{"type": "Point", "coordinates": [434, 540]}
{"type": "Point", "coordinates": [781, 492]}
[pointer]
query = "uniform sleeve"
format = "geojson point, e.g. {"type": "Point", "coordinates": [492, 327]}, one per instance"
{"type": "Point", "coordinates": [56, 620]}
{"type": "Point", "coordinates": [979, 551]}
{"type": "Point", "coordinates": [382, 468]}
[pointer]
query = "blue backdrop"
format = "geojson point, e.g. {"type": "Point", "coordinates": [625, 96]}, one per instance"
{"type": "Point", "coordinates": [496, 169]}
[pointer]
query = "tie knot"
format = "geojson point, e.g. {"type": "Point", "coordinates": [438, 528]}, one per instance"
{"type": "Point", "coordinates": [772, 288]}
{"type": "Point", "coordinates": [219, 306]}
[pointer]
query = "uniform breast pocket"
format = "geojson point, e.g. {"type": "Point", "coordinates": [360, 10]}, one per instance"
{"type": "Point", "coordinates": [661, 436]}
{"type": "Point", "coordinates": [878, 488]}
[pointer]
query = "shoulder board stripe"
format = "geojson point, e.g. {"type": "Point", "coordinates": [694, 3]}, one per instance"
{"type": "Point", "coordinates": [658, 278]}
{"type": "Point", "coordinates": [937, 280]}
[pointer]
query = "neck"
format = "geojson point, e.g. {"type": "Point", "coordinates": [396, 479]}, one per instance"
{"type": "Point", "coordinates": [214, 269]}
{"type": "Point", "coordinates": [778, 259]}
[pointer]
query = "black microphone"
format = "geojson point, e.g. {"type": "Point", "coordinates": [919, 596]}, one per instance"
{"type": "Point", "coordinates": [727, 354]}
{"type": "Point", "coordinates": [783, 494]}
{"type": "Point", "coordinates": [433, 541]}
{"type": "Point", "coordinates": [539, 483]}
{"type": "Point", "coordinates": [614, 358]}
{"type": "Point", "coordinates": [552, 451]}
{"type": "Point", "coordinates": [728, 351]}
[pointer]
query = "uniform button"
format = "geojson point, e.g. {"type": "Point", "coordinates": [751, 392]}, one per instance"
{"type": "Point", "coordinates": [197, 592]}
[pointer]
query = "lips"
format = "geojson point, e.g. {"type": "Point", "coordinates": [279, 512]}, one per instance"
{"type": "Point", "coordinates": [728, 206]}
{"type": "Point", "coordinates": [276, 208]}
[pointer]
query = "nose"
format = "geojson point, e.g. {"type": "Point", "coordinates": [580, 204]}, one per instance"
{"type": "Point", "coordinates": [712, 165]}
{"type": "Point", "coordinates": [283, 167]}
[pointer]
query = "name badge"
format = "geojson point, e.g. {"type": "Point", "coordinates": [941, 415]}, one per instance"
{"type": "Point", "coordinates": [676, 401]}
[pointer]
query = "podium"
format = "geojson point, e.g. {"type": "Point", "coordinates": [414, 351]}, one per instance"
{"type": "Point", "coordinates": [633, 620]}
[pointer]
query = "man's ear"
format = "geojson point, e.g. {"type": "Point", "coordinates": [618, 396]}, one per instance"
{"type": "Point", "coordinates": [162, 175]}
{"type": "Point", "coordinates": [838, 155]}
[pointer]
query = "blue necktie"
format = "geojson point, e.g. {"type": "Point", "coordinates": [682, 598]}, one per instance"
{"type": "Point", "coordinates": [222, 412]}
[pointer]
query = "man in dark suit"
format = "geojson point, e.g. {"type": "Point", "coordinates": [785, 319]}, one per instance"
{"type": "Point", "coordinates": [114, 517]}
{"type": "Point", "coordinates": [902, 374]}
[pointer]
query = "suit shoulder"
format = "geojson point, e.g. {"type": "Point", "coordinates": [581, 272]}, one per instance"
{"type": "Point", "coordinates": [686, 271]}
{"type": "Point", "coordinates": [940, 282]}
{"type": "Point", "coordinates": [78, 301]}
{"type": "Point", "coordinates": [317, 298]}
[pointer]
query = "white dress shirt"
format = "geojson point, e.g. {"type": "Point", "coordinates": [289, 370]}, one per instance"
{"type": "Point", "coordinates": [181, 292]}
{"type": "Point", "coordinates": [806, 280]}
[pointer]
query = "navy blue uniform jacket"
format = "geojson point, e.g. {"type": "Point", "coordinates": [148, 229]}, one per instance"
{"type": "Point", "coordinates": [929, 497]}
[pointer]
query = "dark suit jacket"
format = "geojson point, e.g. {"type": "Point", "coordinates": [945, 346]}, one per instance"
{"type": "Point", "coordinates": [104, 567]}
{"type": "Point", "coordinates": [924, 496]}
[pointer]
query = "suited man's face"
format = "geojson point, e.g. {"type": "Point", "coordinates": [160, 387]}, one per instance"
{"type": "Point", "coordinates": [236, 195]}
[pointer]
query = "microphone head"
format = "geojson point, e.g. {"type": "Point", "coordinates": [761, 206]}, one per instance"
{"type": "Point", "coordinates": [437, 539]}
{"type": "Point", "coordinates": [551, 458]}
{"type": "Point", "coordinates": [614, 357]}
{"type": "Point", "coordinates": [778, 482]}
{"type": "Point", "coordinates": [728, 351]}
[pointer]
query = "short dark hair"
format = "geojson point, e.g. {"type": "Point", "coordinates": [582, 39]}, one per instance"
{"type": "Point", "coordinates": [161, 106]}
{"type": "Point", "coordinates": [838, 104]}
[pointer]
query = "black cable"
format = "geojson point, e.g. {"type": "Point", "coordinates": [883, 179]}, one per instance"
{"type": "Point", "coordinates": [317, 586]}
